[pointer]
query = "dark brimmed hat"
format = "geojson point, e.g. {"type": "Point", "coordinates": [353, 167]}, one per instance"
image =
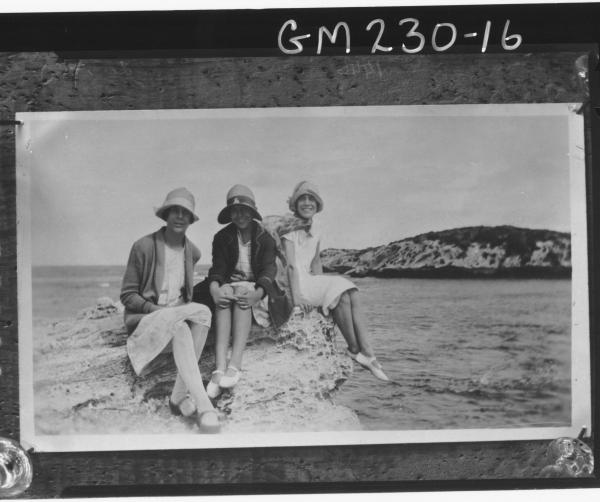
{"type": "Point", "coordinates": [238, 195]}
{"type": "Point", "coordinates": [179, 197]}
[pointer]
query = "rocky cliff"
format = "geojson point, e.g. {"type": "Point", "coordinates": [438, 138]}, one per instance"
{"type": "Point", "coordinates": [502, 251]}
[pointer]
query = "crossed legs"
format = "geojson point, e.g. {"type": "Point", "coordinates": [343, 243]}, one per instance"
{"type": "Point", "coordinates": [187, 345]}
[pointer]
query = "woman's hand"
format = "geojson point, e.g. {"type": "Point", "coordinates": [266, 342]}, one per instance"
{"type": "Point", "coordinates": [223, 295]}
{"type": "Point", "coordinates": [249, 297]}
{"type": "Point", "coordinates": [303, 304]}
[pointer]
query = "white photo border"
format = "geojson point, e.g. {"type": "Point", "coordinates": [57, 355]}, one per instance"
{"type": "Point", "coordinates": [580, 372]}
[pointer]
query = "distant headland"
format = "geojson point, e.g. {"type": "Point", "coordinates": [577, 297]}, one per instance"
{"type": "Point", "coordinates": [483, 251]}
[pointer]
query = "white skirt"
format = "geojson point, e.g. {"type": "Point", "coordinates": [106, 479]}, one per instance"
{"type": "Point", "coordinates": [155, 331]}
{"type": "Point", "coordinates": [323, 290]}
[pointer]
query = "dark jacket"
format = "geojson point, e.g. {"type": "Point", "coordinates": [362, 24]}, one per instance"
{"type": "Point", "coordinates": [144, 276]}
{"type": "Point", "coordinates": [225, 254]}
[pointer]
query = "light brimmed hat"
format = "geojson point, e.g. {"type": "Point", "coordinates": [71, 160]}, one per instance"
{"type": "Point", "coordinates": [238, 195]}
{"type": "Point", "coordinates": [305, 188]}
{"type": "Point", "coordinates": [178, 197]}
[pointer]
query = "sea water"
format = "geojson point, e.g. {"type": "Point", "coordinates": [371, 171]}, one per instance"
{"type": "Point", "coordinates": [475, 353]}
{"type": "Point", "coordinates": [465, 354]}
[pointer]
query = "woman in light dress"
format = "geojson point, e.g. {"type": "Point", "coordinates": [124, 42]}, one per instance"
{"type": "Point", "coordinates": [311, 288]}
{"type": "Point", "coordinates": [159, 314]}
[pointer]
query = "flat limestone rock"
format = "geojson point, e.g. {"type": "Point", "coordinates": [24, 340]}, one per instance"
{"type": "Point", "coordinates": [84, 384]}
{"type": "Point", "coordinates": [288, 381]}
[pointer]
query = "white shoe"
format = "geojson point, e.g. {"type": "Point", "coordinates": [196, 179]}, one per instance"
{"type": "Point", "coordinates": [227, 381]}
{"type": "Point", "coordinates": [372, 364]}
{"type": "Point", "coordinates": [213, 390]}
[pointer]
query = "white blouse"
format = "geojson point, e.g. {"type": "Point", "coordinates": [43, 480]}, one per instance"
{"type": "Point", "coordinates": [174, 278]}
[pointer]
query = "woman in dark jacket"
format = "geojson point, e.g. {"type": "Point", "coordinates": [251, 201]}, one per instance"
{"type": "Point", "coordinates": [241, 283]}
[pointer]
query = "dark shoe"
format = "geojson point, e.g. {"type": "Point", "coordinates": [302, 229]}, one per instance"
{"type": "Point", "coordinates": [174, 408]}
{"type": "Point", "coordinates": [206, 425]}
{"type": "Point", "coordinates": [186, 407]}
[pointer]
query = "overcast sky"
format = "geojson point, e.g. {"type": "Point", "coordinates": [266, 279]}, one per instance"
{"type": "Point", "coordinates": [385, 173]}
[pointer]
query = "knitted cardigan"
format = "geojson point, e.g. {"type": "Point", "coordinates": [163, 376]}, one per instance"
{"type": "Point", "coordinates": [145, 273]}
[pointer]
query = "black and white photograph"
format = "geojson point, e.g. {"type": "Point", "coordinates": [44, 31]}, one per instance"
{"type": "Point", "coordinates": [251, 277]}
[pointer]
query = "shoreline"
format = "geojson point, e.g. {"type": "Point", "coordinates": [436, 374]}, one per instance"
{"type": "Point", "coordinates": [455, 273]}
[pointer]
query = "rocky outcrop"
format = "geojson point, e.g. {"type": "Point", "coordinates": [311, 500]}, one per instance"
{"type": "Point", "coordinates": [502, 251]}
{"type": "Point", "coordinates": [84, 384]}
